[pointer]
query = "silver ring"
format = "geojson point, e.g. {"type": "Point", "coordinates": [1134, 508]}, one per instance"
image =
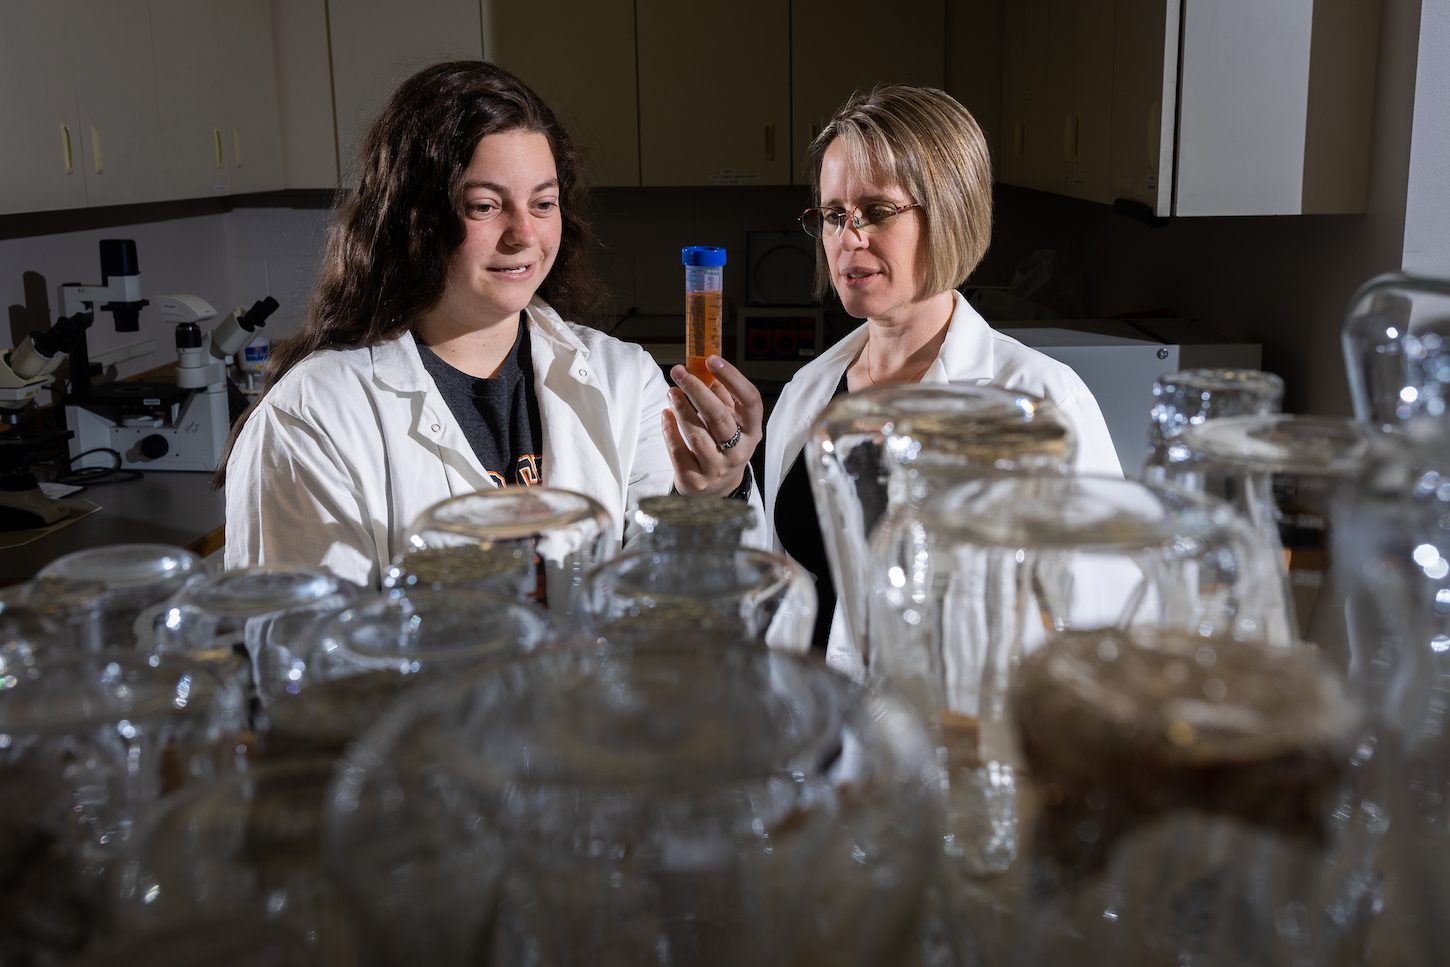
{"type": "Point", "coordinates": [732, 441]}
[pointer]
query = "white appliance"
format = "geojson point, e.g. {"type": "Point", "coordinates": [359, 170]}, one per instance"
{"type": "Point", "coordinates": [1120, 360]}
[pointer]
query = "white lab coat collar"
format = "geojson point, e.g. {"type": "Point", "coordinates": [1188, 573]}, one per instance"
{"type": "Point", "coordinates": [560, 361]}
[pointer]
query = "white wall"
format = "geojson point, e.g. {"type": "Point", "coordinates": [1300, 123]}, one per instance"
{"type": "Point", "coordinates": [227, 259]}
{"type": "Point", "coordinates": [1427, 210]}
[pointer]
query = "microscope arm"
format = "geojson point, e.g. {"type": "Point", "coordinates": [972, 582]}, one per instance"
{"type": "Point", "coordinates": [237, 329]}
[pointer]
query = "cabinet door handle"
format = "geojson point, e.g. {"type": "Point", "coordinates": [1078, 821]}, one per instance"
{"type": "Point", "coordinates": [96, 147]}
{"type": "Point", "coordinates": [216, 134]}
{"type": "Point", "coordinates": [1020, 141]}
{"type": "Point", "coordinates": [770, 142]}
{"type": "Point", "coordinates": [237, 145]}
{"type": "Point", "coordinates": [70, 165]}
{"type": "Point", "coordinates": [1077, 138]}
{"type": "Point", "coordinates": [1067, 137]}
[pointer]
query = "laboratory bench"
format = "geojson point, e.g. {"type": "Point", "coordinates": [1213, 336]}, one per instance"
{"type": "Point", "coordinates": [174, 507]}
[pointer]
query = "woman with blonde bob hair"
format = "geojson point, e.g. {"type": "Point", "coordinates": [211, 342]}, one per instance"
{"type": "Point", "coordinates": [903, 213]}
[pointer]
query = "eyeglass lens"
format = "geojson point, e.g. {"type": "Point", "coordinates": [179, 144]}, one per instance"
{"type": "Point", "coordinates": [826, 222]}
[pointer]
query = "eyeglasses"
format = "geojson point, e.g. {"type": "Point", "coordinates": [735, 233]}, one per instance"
{"type": "Point", "coordinates": [874, 216]}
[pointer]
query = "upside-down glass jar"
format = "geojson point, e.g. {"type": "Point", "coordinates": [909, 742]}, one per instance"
{"type": "Point", "coordinates": [1283, 474]}
{"type": "Point", "coordinates": [136, 576]}
{"type": "Point", "coordinates": [994, 565]}
{"type": "Point", "coordinates": [53, 615]}
{"type": "Point", "coordinates": [674, 519]}
{"type": "Point", "coordinates": [1192, 397]}
{"type": "Point", "coordinates": [1186, 787]}
{"type": "Point", "coordinates": [639, 804]}
{"type": "Point", "coordinates": [246, 623]}
{"type": "Point", "coordinates": [876, 453]}
{"type": "Point", "coordinates": [87, 743]}
{"type": "Point", "coordinates": [700, 590]}
{"type": "Point", "coordinates": [1397, 350]}
{"type": "Point", "coordinates": [1392, 556]}
{"type": "Point", "coordinates": [563, 533]}
{"type": "Point", "coordinates": [246, 848]}
{"type": "Point", "coordinates": [358, 660]}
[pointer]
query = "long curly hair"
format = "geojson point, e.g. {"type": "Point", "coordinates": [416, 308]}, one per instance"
{"type": "Point", "coordinates": [389, 247]}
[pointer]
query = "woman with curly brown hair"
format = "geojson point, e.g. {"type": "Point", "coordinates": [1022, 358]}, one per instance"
{"type": "Point", "coordinates": [436, 358]}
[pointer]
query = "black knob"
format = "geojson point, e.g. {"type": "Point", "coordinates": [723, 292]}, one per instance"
{"type": "Point", "coordinates": [188, 336]}
{"type": "Point", "coordinates": [155, 446]}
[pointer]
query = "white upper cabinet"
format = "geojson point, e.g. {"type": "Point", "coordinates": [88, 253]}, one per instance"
{"type": "Point", "coordinates": [1270, 103]}
{"type": "Point", "coordinates": [714, 92]}
{"type": "Point", "coordinates": [304, 93]}
{"type": "Point", "coordinates": [251, 131]}
{"type": "Point", "coordinates": [824, 73]}
{"type": "Point", "coordinates": [41, 153]}
{"type": "Point", "coordinates": [189, 97]}
{"type": "Point", "coordinates": [1145, 79]}
{"type": "Point", "coordinates": [579, 57]}
{"type": "Point", "coordinates": [377, 44]}
{"type": "Point", "coordinates": [1276, 106]}
{"type": "Point", "coordinates": [115, 82]}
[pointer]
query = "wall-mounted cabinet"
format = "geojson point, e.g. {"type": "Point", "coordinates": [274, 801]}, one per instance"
{"type": "Point", "coordinates": [116, 102]}
{"type": "Point", "coordinates": [714, 92]}
{"type": "Point", "coordinates": [1266, 112]}
{"type": "Point", "coordinates": [41, 155]}
{"type": "Point", "coordinates": [111, 61]}
{"type": "Point", "coordinates": [377, 44]}
{"type": "Point", "coordinates": [585, 73]}
{"type": "Point", "coordinates": [823, 76]}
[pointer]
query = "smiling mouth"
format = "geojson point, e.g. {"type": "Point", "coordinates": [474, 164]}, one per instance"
{"type": "Point", "coordinates": [513, 269]}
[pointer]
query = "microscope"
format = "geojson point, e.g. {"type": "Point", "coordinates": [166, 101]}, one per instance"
{"type": "Point", "coordinates": [153, 426]}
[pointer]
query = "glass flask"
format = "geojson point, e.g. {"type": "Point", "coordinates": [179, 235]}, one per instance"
{"type": "Point", "coordinates": [1185, 788]}
{"type": "Point", "coordinates": [1283, 473]}
{"type": "Point", "coordinates": [136, 577]}
{"type": "Point", "coordinates": [644, 804]}
{"type": "Point", "coordinates": [503, 569]}
{"type": "Point", "coordinates": [700, 590]}
{"type": "Point", "coordinates": [358, 660]}
{"type": "Point", "coordinates": [564, 533]}
{"type": "Point", "coordinates": [53, 614]}
{"type": "Point", "coordinates": [86, 744]}
{"type": "Point", "coordinates": [674, 519]}
{"type": "Point", "coordinates": [993, 565]}
{"type": "Point", "coordinates": [1194, 396]}
{"type": "Point", "coordinates": [245, 623]}
{"type": "Point", "coordinates": [1392, 554]}
{"type": "Point", "coordinates": [938, 430]}
{"type": "Point", "coordinates": [246, 848]}
{"type": "Point", "coordinates": [1397, 350]}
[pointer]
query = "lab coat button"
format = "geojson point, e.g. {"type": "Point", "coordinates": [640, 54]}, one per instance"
{"type": "Point", "coordinates": [435, 428]}
{"type": "Point", "coordinates": [583, 373]}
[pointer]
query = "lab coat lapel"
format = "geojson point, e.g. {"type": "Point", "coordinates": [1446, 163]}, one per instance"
{"type": "Point", "coordinates": [398, 367]}
{"type": "Point", "coordinates": [580, 453]}
{"type": "Point", "coordinates": [966, 352]}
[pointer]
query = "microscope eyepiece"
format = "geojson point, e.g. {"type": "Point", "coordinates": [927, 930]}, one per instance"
{"type": "Point", "coordinates": [188, 336]}
{"type": "Point", "coordinates": [118, 257]}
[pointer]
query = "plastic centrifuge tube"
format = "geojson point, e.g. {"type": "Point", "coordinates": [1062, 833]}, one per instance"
{"type": "Point", "coordinates": [704, 271]}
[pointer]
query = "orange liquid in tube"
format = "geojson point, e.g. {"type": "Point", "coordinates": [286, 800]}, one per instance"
{"type": "Point", "coordinates": [704, 306]}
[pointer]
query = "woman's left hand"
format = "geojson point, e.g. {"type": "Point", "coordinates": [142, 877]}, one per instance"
{"type": "Point", "coordinates": [701, 422]}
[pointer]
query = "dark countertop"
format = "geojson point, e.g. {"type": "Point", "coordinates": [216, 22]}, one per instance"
{"type": "Point", "coordinates": [163, 507]}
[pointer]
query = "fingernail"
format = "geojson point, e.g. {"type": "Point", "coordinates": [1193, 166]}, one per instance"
{"type": "Point", "coordinates": [715, 362]}
{"type": "Point", "coordinates": [677, 374]}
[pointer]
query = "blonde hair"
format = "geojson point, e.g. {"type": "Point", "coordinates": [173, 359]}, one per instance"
{"type": "Point", "coordinates": [923, 141]}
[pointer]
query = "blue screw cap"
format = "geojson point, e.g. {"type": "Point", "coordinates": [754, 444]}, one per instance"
{"type": "Point", "coordinates": [702, 255]}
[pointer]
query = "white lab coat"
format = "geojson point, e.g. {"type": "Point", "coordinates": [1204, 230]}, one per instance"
{"type": "Point", "coordinates": [973, 354]}
{"type": "Point", "coordinates": [353, 444]}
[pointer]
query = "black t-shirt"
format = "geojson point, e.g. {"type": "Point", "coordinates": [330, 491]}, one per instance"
{"type": "Point", "coordinates": [798, 526]}
{"type": "Point", "coordinates": [499, 416]}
